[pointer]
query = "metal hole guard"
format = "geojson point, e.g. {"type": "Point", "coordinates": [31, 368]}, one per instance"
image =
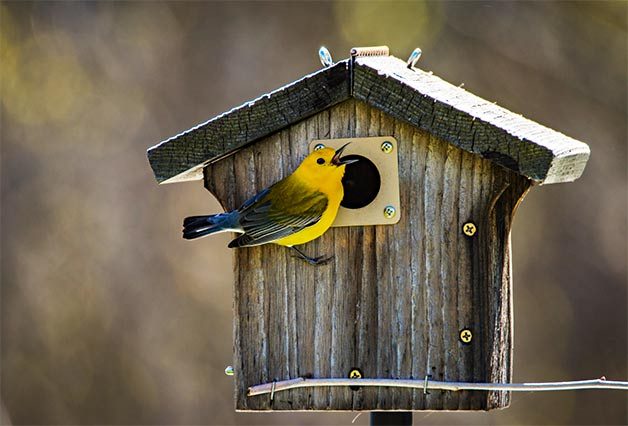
{"type": "Point", "coordinates": [425, 384]}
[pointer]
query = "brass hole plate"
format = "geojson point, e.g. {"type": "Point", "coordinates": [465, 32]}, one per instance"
{"type": "Point", "coordinates": [387, 165]}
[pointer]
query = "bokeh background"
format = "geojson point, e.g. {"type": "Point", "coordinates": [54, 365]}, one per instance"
{"type": "Point", "coordinates": [109, 317]}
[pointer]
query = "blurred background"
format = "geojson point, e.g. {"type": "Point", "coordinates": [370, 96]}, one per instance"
{"type": "Point", "coordinates": [108, 316]}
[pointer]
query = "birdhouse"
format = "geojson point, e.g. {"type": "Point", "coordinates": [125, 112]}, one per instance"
{"type": "Point", "coordinates": [420, 284]}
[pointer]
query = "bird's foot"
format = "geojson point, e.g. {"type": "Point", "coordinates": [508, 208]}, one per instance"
{"type": "Point", "coordinates": [316, 261]}
{"type": "Point", "coordinates": [320, 260]}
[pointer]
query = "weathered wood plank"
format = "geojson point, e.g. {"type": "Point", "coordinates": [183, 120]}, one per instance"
{"type": "Point", "coordinates": [394, 299]}
{"type": "Point", "coordinates": [177, 158]}
{"type": "Point", "coordinates": [342, 125]}
{"type": "Point", "coordinates": [417, 151]}
{"type": "Point", "coordinates": [366, 322]}
{"type": "Point", "coordinates": [468, 121]}
{"type": "Point", "coordinates": [402, 256]}
{"type": "Point", "coordinates": [324, 281]}
{"type": "Point", "coordinates": [385, 285]}
{"type": "Point", "coordinates": [275, 295]}
{"type": "Point", "coordinates": [301, 290]}
{"type": "Point", "coordinates": [414, 96]}
{"type": "Point", "coordinates": [449, 221]}
{"type": "Point", "coordinates": [496, 242]}
{"type": "Point", "coordinates": [432, 200]}
{"type": "Point", "coordinates": [482, 184]}
{"type": "Point", "coordinates": [465, 284]}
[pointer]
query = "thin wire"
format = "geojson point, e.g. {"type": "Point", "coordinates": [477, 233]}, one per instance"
{"type": "Point", "coordinates": [436, 385]}
{"type": "Point", "coordinates": [272, 391]}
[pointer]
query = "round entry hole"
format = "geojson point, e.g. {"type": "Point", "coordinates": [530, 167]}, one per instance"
{"type": "Point", "coordinates": [361, 182]}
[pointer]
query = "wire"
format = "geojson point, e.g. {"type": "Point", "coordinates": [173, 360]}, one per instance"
{"type": "Point", "coordinates": [426, 384]}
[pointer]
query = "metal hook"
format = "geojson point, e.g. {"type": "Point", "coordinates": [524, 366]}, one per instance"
{"type": "Point", "coordinates": [414, 57]}
{"type": "Point", "coordinates": [325, 57]}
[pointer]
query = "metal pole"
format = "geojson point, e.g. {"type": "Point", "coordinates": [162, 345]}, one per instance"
{"type": "Point", "coordinates": [391, 418]}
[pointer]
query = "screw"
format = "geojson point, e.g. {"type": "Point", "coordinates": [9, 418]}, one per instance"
{"type": "Point", "coordinates": [229, 370]}
{"type": "Point", "coordinates": [387, 147]}
{"type": "Point", "coordinates": [389, 212]}
{"type": "Point", "coordinates": [466, 335]}
{"type": "Point", "coordinates": [318, 146]}
{"type": "Point", "coordinates": [469, 229]}
{"type": "Point", "coordinates": [355, 373]}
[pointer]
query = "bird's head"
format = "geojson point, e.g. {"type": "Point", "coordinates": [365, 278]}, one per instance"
{"type": "Point", "coordinates": [326, 163]}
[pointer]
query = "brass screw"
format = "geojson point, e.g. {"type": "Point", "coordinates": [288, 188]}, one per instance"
{"type": "Point", "coordinates": [469, 229]}
{"type": "Point", "coordinates": [229, 371]}
{"type": "Point", "coordinates": [318, 146]}
{"type": "Point", "coordinates": [466, 335]}
{"type": "Point", "coordinates": [389, 212]}
{"type": "Point", "coordinates": [387, 147]}
{"type": "Point", "coordinates": [355, 374]}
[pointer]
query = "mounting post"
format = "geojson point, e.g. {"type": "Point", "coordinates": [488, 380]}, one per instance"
{"type": "Point", "coordinates": [391, 418]}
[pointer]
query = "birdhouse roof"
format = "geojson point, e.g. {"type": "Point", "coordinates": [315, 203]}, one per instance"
{"type": "Point", "coordinates": [384, 82]}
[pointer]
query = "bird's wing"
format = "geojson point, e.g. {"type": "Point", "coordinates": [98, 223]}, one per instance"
{"type": "Point", "coordinates": [254, 199]}
{"type": "Point", "coordinates": [270, 219]}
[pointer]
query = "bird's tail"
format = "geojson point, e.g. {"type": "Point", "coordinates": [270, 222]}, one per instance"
{"type": "Point", "coordinates": [201, 226]}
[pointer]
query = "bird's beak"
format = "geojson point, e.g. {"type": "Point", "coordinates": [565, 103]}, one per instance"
{"type": "Point", "coordinates": [342, 161]}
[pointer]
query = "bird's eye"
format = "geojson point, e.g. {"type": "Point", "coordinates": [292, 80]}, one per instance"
{"type": "Point", "coordinates": [320, 161]}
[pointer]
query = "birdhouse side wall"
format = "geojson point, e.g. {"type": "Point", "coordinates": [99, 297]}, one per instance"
{"type": "Point", "coordinates": [395, 298]}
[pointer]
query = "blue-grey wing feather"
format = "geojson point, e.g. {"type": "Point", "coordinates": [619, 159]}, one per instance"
{"type": "Point", "coordinates": [253, 200]}
{"type": "Point", "coordinates": [262, 224]}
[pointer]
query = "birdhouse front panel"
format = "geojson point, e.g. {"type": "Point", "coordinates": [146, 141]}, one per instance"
{"type": "Point", "coordinates": [427, 296]}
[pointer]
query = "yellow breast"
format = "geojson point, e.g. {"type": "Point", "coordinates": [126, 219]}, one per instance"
{"type": "Point", "coordinates": [316, 174]}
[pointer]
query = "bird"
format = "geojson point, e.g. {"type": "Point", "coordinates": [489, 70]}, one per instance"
{"type": "Point", "coordinates": [293, 211]}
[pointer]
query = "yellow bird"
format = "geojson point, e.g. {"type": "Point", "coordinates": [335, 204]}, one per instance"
{"type": "Point", "coordinates": [293, 211]}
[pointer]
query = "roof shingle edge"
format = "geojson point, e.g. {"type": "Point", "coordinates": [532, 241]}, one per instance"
{"type": "Point", "coordinates": [412, 95]}
{"type": "Point", "coordinates": [183, 156]}
{"type": "Point", "coordinates": [468, 121]}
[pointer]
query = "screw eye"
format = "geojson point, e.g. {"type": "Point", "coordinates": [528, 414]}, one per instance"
{"type": "Point", "coordinates": [320, 161]}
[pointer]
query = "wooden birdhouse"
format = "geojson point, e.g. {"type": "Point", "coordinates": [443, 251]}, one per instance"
{"type": "Point", "coordinates": [420, 284]}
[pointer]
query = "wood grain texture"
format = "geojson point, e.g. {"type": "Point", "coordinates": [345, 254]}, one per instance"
{"type": "Point", "coordinates": [468, 121]}
{"type": "Point", "coordinates": [395, 298]}
{"type": "Point", "coordinates": [413, 96]}
{"type": "Point", "coordinates": [181, 157]}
